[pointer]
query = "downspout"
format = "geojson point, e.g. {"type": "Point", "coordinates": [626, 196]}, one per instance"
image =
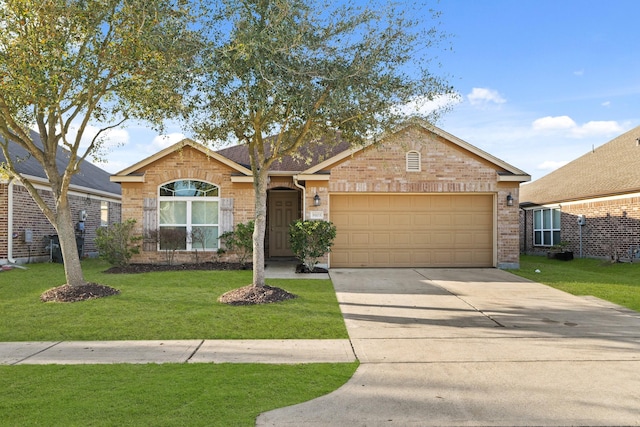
{"type": "Point", "coordinates": [304, 196]}
{"type": "Point", "coordinates": [10, 258]}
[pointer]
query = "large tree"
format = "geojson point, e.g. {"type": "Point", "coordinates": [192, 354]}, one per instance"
{"type": "Point", "coordinates": [69, 64]}
{"type": "Point", "coordinates": [283, 73]}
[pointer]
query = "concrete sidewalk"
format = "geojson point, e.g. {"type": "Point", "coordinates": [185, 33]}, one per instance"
{"type": "Point", "coordinates": [477, 347]}
{"type": "Point", "coordinates": [186, 351]}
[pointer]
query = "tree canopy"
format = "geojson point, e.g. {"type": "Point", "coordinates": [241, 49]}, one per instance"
{"type": "Point", "coordinates": [282, 73]}
{"type": "Point", "coordinates": [68, 64]}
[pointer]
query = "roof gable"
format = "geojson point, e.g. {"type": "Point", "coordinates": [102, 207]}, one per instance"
{"type": "Point", "coordinates": [506, 171]}
{"type": "Point", "coordinates": [131, 172]}
{"type": "Point", "coordinates": [607, 170]}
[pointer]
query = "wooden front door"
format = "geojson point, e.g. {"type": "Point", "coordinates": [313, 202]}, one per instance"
{"type": "Point", "coordinates": [283, 210]}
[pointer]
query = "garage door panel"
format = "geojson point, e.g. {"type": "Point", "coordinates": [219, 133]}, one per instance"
{"type": "Point", "coordinates": [412, 230]}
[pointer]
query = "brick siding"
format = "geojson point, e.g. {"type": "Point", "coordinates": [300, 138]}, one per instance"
{"type": "Point", "coordinates": [612, 228]}
{"type": "Point", "coordinates": [28, 216]}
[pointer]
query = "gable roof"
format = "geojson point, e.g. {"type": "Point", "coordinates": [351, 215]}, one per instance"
{"type": "Point", "coordinates": [608, 170]}
{"type": "Point", "coordinates": [508, 172]}
{"type": "Point", "coordinates": [90, 176]}
{"type": "Point", "coordinates": [321, 156]}
{"type": "Point", "coordinates": [129, 173]}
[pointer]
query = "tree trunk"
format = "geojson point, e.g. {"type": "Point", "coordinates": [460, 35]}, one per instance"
{"type": "Point", "coordinates": [66, 233]}
{"type": "Point", "coordinates": [260, 192]}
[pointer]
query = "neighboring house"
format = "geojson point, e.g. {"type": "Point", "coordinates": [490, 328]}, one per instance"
{"type": "Point", "coordinates": [420, 198]}
{"type": "Point", "coordinates": [25, 231]}
{"type": "Point", "coordinates": [591, 205]}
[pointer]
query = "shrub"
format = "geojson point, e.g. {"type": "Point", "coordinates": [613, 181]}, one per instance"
{"type": "Point", "coordinates": [117, 244]}
{"type": "Point", "coordinates": [310, 240]}
{"type": "Point", "coordinates": [240, 241]}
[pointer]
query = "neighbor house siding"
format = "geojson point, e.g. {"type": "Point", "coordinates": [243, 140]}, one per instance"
{"type": "Point", "coordinates": [612, 227]}
{"type": "Point", "coordinates": [4, 220]}
{"type": "Point", "coordinates": [28, 216]}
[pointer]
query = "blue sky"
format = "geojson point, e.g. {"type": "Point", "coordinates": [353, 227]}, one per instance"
{"type": "Point", "coordinates": [541, 82]}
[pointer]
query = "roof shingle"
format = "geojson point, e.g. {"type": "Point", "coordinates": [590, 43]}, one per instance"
{"type": "Point", "coordinates": [611, 169]}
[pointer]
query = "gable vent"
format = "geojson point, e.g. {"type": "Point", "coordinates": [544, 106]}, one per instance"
{"type": "Point", "coordinates": [413, 161]}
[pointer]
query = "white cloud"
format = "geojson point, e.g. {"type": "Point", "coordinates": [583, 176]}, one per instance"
{"type": "Point", "coordinates": [554, 123]}
{"type": "Point", "coordinates": [578, 73]}
{"type": "Point", "coordinates": [425, 106]}
{"type": "Point", "coordinates": [161, 142]}
{"type": "Point", "coordinates": [566, 126]}
{"type": "Point", "coordinates": [550, 165]}
{"type": "Point", "coordinates": [483, 96]}
{"type": "Point", "coordinates": [606, 104]}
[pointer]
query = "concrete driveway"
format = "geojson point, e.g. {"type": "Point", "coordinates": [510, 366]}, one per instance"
{"type": "Point", "coordinates": [477, 347]}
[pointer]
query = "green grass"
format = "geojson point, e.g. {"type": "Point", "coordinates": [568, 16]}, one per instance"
{"type": "Point", "coordinates": [158, 395]}
{"type": "Point", "coordinates": [618, 283]}
{"type": "Point", "coordinates": [166, 305]}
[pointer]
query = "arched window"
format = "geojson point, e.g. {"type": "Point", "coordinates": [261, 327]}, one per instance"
{"type": "Point", "coordinates": [188, 215]}
{"type": "Point", "coordinates": [413, 161]}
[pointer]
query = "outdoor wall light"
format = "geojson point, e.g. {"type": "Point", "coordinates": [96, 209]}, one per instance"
{"type": "Point", "coordinates": [316, 200]}
{"type": "Point", "coordinates": [509, 200]}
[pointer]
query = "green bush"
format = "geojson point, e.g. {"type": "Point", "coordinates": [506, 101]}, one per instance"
{"type": "Point", "coordinates": [240, 241]}
{"type": "Point", "coordinates": [310, 240]}
{"type": "Point", "coordinates": [117, 244]}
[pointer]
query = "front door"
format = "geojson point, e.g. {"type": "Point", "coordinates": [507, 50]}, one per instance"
{"type": "Point", "coordinates": [283, 210]}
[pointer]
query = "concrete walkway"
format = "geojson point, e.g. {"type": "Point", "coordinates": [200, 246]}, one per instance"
{"type": "Point", "coordinates": [477, 347]}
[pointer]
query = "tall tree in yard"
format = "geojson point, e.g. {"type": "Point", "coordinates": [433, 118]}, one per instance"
{"type": "Point", "coordinates": [66, 65]}
{"type": "Point", "coordinates": [287, 72]}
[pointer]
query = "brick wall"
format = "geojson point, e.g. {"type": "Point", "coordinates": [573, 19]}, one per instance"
{"type": "Point", "coordinates": [445, 168]}
{"type": "Point", "coordinates": [4, 217]}
{"type": "Point", "coordinates": [28, 216]}
{"type": "Point", "coordinates": [612, 228]}
{"type": "Point", "coordinates": [186, 163]}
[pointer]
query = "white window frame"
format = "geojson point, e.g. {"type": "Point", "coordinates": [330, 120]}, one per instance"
{"type": "Point", "coordinates": [104, 213]}
{"type": "Point", "coordinates": [189, 246]}
{"type": "Point", "coordinates": [546, 226]}
{"type": "Point", "coordinates": [413, 161]}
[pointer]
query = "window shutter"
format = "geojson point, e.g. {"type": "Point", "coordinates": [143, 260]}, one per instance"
{"type": "Point", "coordinates": [413, 161]}
{"type": "Point", "coordinates": [150, 224]}
{"type": "Point", "coordinates": [225, 223]}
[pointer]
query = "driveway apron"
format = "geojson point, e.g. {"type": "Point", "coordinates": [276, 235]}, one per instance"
{"type": "Point", "coordinates": [477, 347]}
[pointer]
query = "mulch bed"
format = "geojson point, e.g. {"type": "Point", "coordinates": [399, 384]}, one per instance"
{"type": "Point", "coordinates": [149, 268]}
{"type": "Point", "coordinates": [251, 295]}
{"type": "Point", "coordinates": [66, 293]}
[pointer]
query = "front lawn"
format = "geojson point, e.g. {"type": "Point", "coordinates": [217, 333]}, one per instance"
{"type": "Point", "coordinates": [618, 283]}
{"type": "Point", "coordinates": [162, 306]}
{"type": "Point", "coordinates": [158, 395]}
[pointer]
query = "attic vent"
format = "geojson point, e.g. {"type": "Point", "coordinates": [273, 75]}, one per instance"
{"type": "Point", "coordinates": [413, 161]}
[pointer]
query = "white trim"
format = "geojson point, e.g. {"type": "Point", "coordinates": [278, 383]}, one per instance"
{"type": "Point", "coordinates": [307, 177]}
{"type": "Point", "coordinates": [241, 178]}
{"type": "Point", "coordinates": [128, 178]}
{"type": "Point", "coordinates": [43, 184]}
{"type": "Point", "coordinates": [599, 199]}
{"type": "Point", "coordinates": [413, 161]}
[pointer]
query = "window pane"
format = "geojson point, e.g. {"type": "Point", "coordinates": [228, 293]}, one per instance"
{"type": "Point", "coordinates": [188, 188]}
{"type": "Point", "coordinates": [537, 220]}
{"type": "Point", "coordinates": [556, 237]}
{"type": "Point", "coordinates": [546, 219]}
{"type": "Point", "coordinates": [104, 214]}
{"type": "Point", "coordinates": [173, 238]}
{"type": "Point", "coordinates": [204, 238]}
{"type": "Point", "coordinates": [537, 238]}
{"type": "Point", "coordinates": [204, 212]}
{"type": "Point", "coordinates": [546, 238]}
{"type": "Point", "coordinates": [556, 218]}
{"type": "Point", "coordinates": [173, 212]}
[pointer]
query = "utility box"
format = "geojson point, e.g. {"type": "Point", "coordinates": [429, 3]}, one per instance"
{"type": "Point", "coordinates": [28, 236]}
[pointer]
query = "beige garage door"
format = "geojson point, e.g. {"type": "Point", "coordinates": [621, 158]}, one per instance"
{"type": "Point", "coordinates": [412, 230]}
